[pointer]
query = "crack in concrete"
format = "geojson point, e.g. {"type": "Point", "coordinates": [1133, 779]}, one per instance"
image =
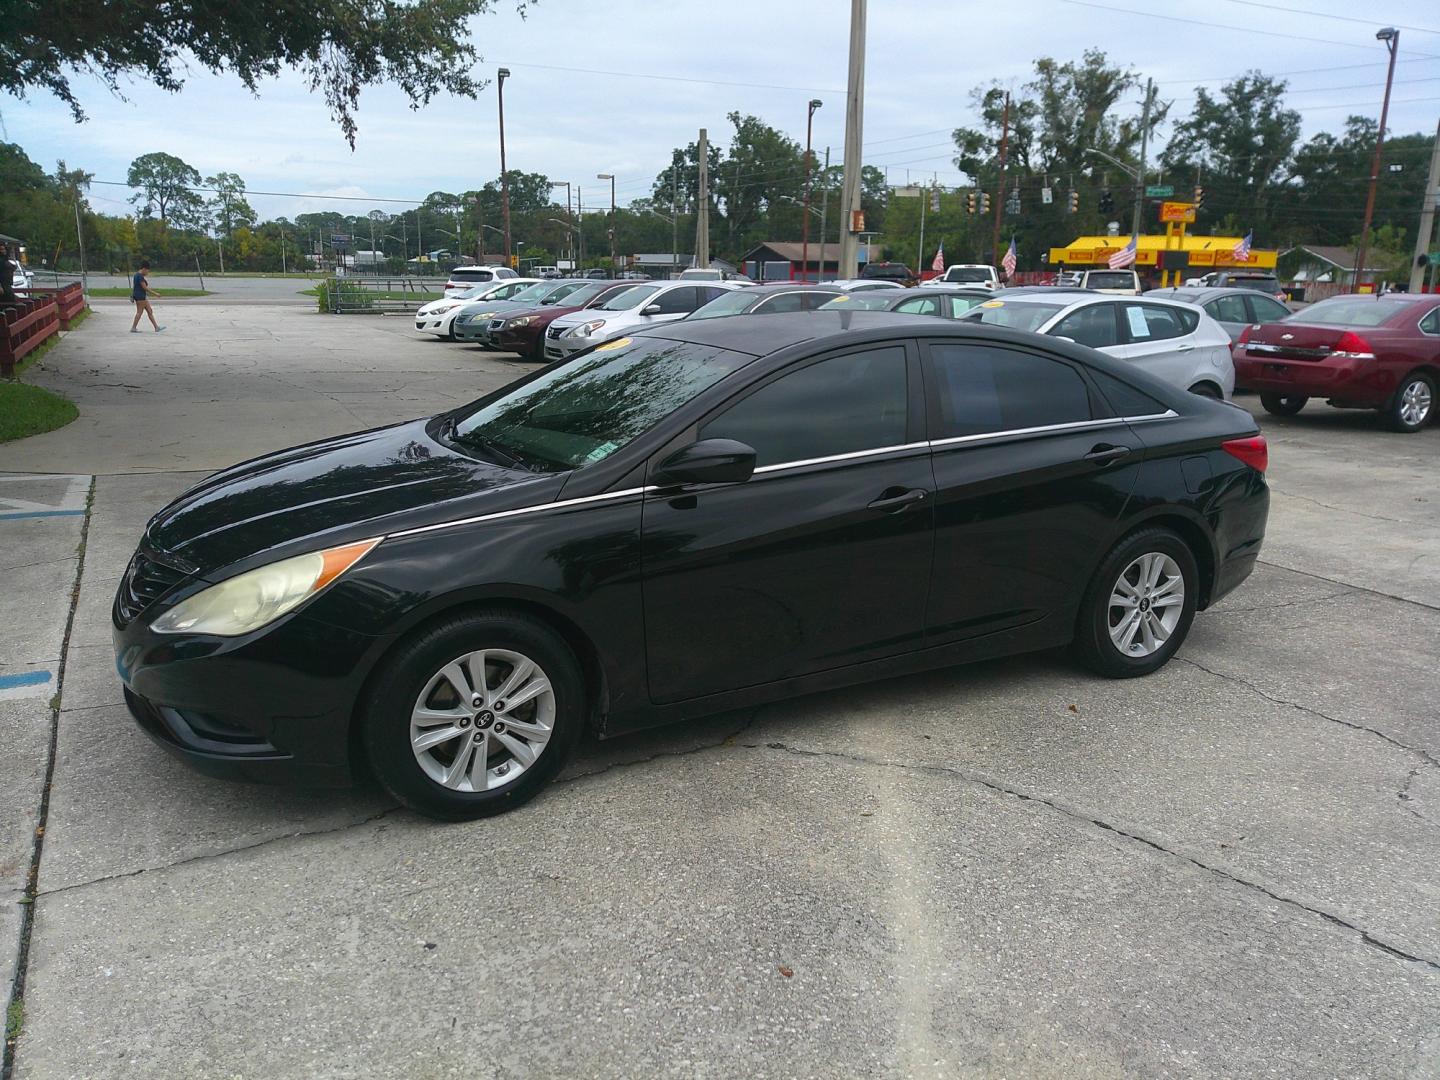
{"type": "Point", "coordinates": [1425, 755]}
{"type": "Point", "coordinates": [209, 855]}
{"type": "Point", "coordinates": [944, 770]}
{"type": "Point", "coordinates": [1348, 585]}
{"type": "Point", "coordinates": [1347, 510]}
{"type": "Point", "coordinates": [1404, 796]}
{"type": "Point", "coordinates": [1227, 610]}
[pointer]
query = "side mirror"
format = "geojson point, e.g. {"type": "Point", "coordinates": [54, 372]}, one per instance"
{"type": "Point", "coordinates": [709, 461]}
{"type": "Point", "coordinates": [650, 309]}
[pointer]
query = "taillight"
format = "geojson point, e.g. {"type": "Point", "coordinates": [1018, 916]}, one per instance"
{"type": "Point", "coordinates": [1353, 345]}
{"type": "Point", "coordinates": [1245, 335]}
{"type": "Point", "coordinates": [1252, 451]}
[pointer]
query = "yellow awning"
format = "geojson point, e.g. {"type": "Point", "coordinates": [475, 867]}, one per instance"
{"type": "Point", "coordinates": [1208, 251]}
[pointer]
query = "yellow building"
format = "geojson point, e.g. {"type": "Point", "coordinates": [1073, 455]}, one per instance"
{"type": "Point", "coordinates": [1191, 255]}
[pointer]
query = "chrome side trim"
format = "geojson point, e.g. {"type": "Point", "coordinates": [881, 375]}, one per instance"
{"type": "Point", "coordinates": [851, 456]}
{"type": "Point", "coordinates": [607, 496]}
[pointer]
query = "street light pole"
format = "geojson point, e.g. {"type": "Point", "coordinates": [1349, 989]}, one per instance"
{"type": "Point", "coordinates": [854, 134]}
{"type": "Point", "coordinates": [815, 103]}
{"type": "Point", "coordinates": [504, 178]}
{"type": "Point", "coordinates": [824, 213]}
{"type": "Point", "coordinates": [611, 178]}
{"type": "Point", "coordinates": [1391, 37]}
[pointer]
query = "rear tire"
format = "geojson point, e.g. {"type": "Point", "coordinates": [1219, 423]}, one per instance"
{"type": "Point", "coordinates": [1413, 404]}
{"type": "Point", "coordinates": [1282, 404]}
{"type": "Point", "coordinates": [439, 733]}
{"type": "Point", "coordinates": [1129, 622]}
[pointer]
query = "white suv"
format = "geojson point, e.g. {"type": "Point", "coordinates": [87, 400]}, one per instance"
{"type": "Point", "coordinates": [465, 277]}
{"type": "Point", "coordinates": [628, 310]}
{"type": "Point", "coordinates": [1173, 341]}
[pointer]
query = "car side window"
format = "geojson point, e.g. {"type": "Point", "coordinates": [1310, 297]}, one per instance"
{"type": "Point", "coordinates": [677, 301]}
{"type": "Point", "coordinates": [1093, 325]}
{"type": "Point", "coordinates": [708, 293]}
{"type": "Point", "coordinates": [782, 303]}
{"type": "Point", "coordinates": [1229, 309]}
{"type": "Point", "coordinates": [1125, 399]}
{"type": "Point", "coordinates": [814, 298]}
{"type": "Point", "coordinates": [1266, 310]}
{"type": "Point", "coordinates": [982, 389]}
{"type": "Point", "coordinates": [921, 305]}
{"type": "Point", "coordinates": [959, 305]}
{"type": "Point", "coordinates": [837, 406]}
{"type": "Point", "coordinates": [1151, 322]}
{"type": "Point", "coordinates": [1430, 324]}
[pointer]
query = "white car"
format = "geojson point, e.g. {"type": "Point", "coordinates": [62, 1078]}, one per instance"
{"type": "Point", "coordinates": [465, 277]}
{"type": "Point", "coordinates": [1173, 341]}
{"type": "Point", "coordinates": [970, 274]}
{"type": "Point", "coordinates": [438, 316]}
{"type": "Point", "coordinates": [630, 310]}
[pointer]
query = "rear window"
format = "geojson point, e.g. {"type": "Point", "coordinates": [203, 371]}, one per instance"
{"type": "Point", "coordinates": [730, 303]}
{"type": "Point", "coordinates": [1261, 284]}
{"type": "Point", "coordinates": [969, 273]}
{"type": "Point", "coordinates": [1346, 311]}
{"type": "Point", "coordinates": [1120, 279]}
{"type": "Point", "coordinates": [471, 273]}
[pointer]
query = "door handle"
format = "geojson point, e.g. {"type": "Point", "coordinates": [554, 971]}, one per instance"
{"type": "Point", "coordinates": [1184, 348]}
{"type": "Point", "coordinates": [900, 500]}
{"type": "Point", "coordinates": [1103, 454]}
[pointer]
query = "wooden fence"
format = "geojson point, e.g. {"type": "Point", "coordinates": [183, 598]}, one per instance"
{"type": "Point", "coordinates": [29, 323]}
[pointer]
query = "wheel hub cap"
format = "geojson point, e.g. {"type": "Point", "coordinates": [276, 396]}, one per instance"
{"type": "Point", "coordinates": [1415, 403]}
{"type": "Point", "coordinates": [482, 720]}
{"type": "Point", "coordinates": [1146, 602]}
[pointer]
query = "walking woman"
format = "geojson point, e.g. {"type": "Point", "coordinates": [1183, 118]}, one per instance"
{"type": "Point", "coordinates": [140, 292]}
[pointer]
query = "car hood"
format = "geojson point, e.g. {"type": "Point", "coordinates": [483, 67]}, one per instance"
{"type": "Point", "coordinates": [496, 307]}
{"type": "Point", "coordinates": [448, 302]}
{"type": "Point", "coordinates": [335, 491]}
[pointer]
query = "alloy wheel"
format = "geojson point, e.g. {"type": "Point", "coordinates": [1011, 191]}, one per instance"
{"type": "Point", "coordinates": [1415, 401]}
{"type": "Point", "coordinates": [482, 720]}
{"type": "Point", "coordinates": [1146, 602]}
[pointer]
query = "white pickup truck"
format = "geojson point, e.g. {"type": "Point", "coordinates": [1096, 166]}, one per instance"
{"type": "Point", "coordinates": [1120, 282]}
{"type": "Point", "coordinates": [978, 274]}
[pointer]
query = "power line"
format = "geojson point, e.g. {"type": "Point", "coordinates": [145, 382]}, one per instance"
{"type": "Point", "coordinates": [1327, 15]}
{"type": "Point", "coordinates": [278, 194]}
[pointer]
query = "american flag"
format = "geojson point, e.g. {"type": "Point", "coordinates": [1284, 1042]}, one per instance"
{"type": "Point", "coordinates": [939, 264]}
{"type": "Point", "coordinates": [1124, 257]}
{"type": "Point", "coordinates": [1008, 262]}
{"type": "Point", "coordinates": [1241, 253]}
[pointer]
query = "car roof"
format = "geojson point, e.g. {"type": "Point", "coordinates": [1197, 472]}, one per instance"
{"type": "Point", "coordinates": [1198, 293]}
{"type": "Point", "coordinates": [933, 290]}
{"type": "Point", "coordinates": [763, 336]}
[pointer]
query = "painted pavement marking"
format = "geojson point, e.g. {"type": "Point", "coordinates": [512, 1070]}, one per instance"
{"type": "Point", "coordinates": [26, 684]}
{"type": "Point", "coordinates": [67, 500]}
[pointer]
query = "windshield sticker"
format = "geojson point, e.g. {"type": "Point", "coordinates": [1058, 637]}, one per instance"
{"type": "Point", "coordinates": [602, 451]}
{"type": "Point", "coordinates": [993, 303]}
{"type": "Point", "coordinates": [611, 346]}
{"type": "Point", "coordinates": [841, 299]}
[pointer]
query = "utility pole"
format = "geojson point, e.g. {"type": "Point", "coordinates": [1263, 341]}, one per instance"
{"type": "Point", "coordinates": [1391, 37]}
{"type": "Point", "coordinates": [504, 178]}
{"type": "Point", "coordinates": [80, 240]}
{"type": "Point", "coordinates": [283, 268]}
{"type": "Point", "coordinates": [611, 178]}
{"type": "Point", "coordinates": [675, 217]}
{"type": "Point", "coordinates": [1427, 217]}
{"type": "Point", "coordinates": [702, 211]}
{"type": "Point", "coordinates": [1000, 187]}
{"type": "Point", "coordinates": [580, 224]}
{"type": "Point", "coordinates": [1144, 149]}
{"type": "Point", "coordinates": [920, 247]}
{"type": "Point", "coordinates": [824, 212]}
{"type": "Point", "coordinates": [854, 150]}
{"type": "Point", "coordinates": [805, 217]}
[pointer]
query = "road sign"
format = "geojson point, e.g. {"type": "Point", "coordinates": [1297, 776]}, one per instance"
{"type": "Point", "coordinates": [1177, 211]}
{"type": "Point", "coordinates": [1159, 191]}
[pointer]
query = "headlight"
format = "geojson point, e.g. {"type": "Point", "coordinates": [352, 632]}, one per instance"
{"type": "Point", "coordinates": [515, 324]}
{"type": "Point", "coordinates": [440, 309]}
{"type": "Point", "coordinates": [585, 329]}
{"type": "Point", "coordinates": [252, 599]}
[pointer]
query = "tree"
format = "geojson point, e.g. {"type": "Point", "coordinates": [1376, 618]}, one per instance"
{"type": "Point", "coordinates": [684, 170]}
{"type": "Point", "coordinates": [1239, 147]}
{"type": "Point", "coordinates": [230, 209]}
{"type": "Point", "coordinates": [763, 166]}
{"type": "Point", "coordinates": [338, 48]}
{"type": "Point", "coordinates": [164, 186]}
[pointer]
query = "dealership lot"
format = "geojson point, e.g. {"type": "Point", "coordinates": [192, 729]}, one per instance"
{"type": "Point", "coordinates": [1015, 868]}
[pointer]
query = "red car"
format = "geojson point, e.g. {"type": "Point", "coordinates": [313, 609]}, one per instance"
{"type": "Point", "coordinates": [1357, 352]}
{"type": "Point", "coordinates": [523, 332]}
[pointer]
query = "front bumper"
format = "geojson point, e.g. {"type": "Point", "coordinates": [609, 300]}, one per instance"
{"type": "Point", "coordinates": [525, 341]}
{"type": "Point", "coordinates": [558, 348]}
{"type": "Point", "coordinates": [434, 324]}
{"type": "Point", "coordinates": [1349, 379]}
{"type": "Point", "coordinates": [477, 331]}
{"type": "Point", "coordinates": [274, 706]}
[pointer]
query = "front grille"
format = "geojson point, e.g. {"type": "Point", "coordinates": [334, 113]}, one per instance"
{"type": "Point", "coordinates": [496, 324]}
{"type": "Point", "coordinates": [145, 582]}
{"type": "Point", "coordinates": [554, 332]}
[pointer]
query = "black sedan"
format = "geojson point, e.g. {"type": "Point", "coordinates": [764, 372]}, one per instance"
{"type": "Point", "coordinates": [703, 516]}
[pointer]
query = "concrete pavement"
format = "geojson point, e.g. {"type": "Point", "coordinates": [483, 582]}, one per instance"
{"type": "Point", "coordinates": [1229, 868]}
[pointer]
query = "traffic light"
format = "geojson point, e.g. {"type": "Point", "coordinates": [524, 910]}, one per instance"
{"type": "Point", "coordinates": [935, 200]}
{"type": "Point", "coordinates": [1074, 202]}
{"type": "Point", "coordinates": [1012, 204]}
{"type": "Point", "coordinates": [1107, 202]}
{"type": "Point", "coordinates": [970, 204]}
{"type": "Point", "coordinates": [1199, 199]}
{"type": "Point", "coordinates": [984, 202]}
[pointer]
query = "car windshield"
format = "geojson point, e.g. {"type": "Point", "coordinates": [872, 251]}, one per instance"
{"type": "Point", "coordinates": [583, 294]}
{"type": "Point", "coordinates": [628, 298]}
{"type": "Point", "coordinates": [1020, 316]}
{"type": "Point", "coordinates": [862, 300]}
{"type": "Point", "coordinates": [538, 291]}
{"type": "Point", "coordinates": [583, 411]}
{"type": "Point", "coordinates": [730, 303]}
{"type": "Point", "coordinates": [557, 293]}
{"type": "Point", "coordinates": [967, 273]}
{"type": "Point", "coordinates": [1122, 279]}
{"type": "Point", "coordinates": [1345, 311]}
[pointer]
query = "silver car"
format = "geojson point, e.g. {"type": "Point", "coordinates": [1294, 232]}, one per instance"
{"type": "Point", "coordinates": [1233, 308]}
{"type": "Point", "coordinates": [629, 310]}
{"type": "Point", "coordinates": [472, 322]}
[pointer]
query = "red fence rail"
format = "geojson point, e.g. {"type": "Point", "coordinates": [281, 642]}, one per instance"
{"type": "Point", "coordinates": [28, 324]}
{"type": "Point", "coordinates": [70, 298]}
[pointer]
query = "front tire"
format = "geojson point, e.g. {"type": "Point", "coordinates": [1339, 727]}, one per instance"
{"type": "Point", "coordinates": [1139, 606]}
{"type": "Point", "coordinates": [474, 715]}
{"type": "Point", "coordinates": [1282, 404]}
{"type": "Point", "coordinates": [1413, 404]}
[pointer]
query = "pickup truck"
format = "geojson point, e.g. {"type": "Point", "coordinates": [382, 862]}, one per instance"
{"type": "Point", "coordinates": [1120, 282]}
{"type": "Point", "coordinates": [978, 274]}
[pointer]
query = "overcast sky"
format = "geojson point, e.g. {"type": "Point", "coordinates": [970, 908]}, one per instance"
{"type": "Point", "coordinates": [658, 70]}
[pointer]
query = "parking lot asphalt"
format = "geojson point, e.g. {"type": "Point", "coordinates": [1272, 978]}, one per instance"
{"type": "Point", "coordinates": [1012, 869]}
